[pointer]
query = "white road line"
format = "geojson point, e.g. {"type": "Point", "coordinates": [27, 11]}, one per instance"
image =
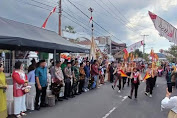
{"type": "Point", "coordinates": [109, 112]}
{"type": "Point", "coordinates": [124, 98]}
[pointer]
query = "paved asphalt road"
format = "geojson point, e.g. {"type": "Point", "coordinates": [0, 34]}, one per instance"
{"type": "Point", "coordinates": [106, 103]}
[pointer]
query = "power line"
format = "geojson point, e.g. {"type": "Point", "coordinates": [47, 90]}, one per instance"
{"type": "Point", "coordinates": [62, 15]}
{"type": "Point", "coordinates": [56, 4]}
{"type": "Point", "coordinates": [94, 21]}
{"type": "Point", "coordinates": [113, 14]}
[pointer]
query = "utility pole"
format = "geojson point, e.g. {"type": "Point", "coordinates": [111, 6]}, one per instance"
{"type": "Point", "coordinates": [144, 37]}
{"type": "Point", "coordinates": [91, 11]}
{"type": "Point", "coordinates": [60, 12]}
{"type": "Point", "coordinates": [92, 49]}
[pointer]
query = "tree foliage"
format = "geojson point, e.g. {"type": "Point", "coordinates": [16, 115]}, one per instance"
{"type": "Point", "coordinates": [70, 29]}
{"type": "Point", "coordinates": [139, 53]}
{"type": "Point", "coordinates": [173, 53]}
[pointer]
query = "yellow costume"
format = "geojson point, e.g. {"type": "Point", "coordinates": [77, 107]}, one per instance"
{"type": "Point", "coordinates": [3, 103]}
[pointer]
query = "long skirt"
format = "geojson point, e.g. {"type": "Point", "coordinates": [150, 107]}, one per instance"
{"type": "Point", "coordinates": [3, 114]}
{"type": "Point", "coordinates": [19, 104]}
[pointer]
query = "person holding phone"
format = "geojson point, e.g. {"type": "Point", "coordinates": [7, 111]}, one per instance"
{"type": "Point", "coordinates": [170, 103]}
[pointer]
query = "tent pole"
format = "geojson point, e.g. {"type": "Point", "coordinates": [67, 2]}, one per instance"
{"type": "Point", "coordinates": [54, 57]}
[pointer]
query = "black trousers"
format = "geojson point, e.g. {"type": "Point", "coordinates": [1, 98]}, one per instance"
{"type": "Point", "coordinates": [124, 81]}
{"type": "Point", "coordinates": [111, 77]}
{"type": "Point", "coordinates": [74, 87]}
{"type": "Point", "coordinates": [134, 87]}
{"type": "Point", "coordinates": [155, 78]}
{"type": "Point", "coordinates": [81, 85]}
{"type": "Point", "coordinates": [149, 85]}
{"type": "Point", "coordinates": [40, 94]}
{"type": "Point", "coordinates": [68, 88]}
{"type": "Point", "coordinates": [128, 74]}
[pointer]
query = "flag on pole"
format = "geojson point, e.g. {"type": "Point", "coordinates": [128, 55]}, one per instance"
{"type": "Point", "coordinates": [91, 19]}
{"type": "Point", "coordinates": [156, 57]}
{"type": "Point", "coordinates": [134, 46]}
{"type": "Point", "coordinates": [123, 74]}
{"type": "Point", "coordinates": [147, 76]}
{"type": "Point", "coordinates": [152, 54]}
{"type": "Point", "coordinates": [164, 28]}
{"type": "Point", "coordinates": [126, 55]}
{"type": "Point", "coordinates": [45, 22]}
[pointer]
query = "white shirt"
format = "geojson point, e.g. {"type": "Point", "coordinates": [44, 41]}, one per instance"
{"type": "Point", "coordinates": [170, 103]}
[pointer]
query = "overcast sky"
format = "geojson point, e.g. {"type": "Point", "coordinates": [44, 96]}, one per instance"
{"type": "Point", "coordinates": [127, 20]}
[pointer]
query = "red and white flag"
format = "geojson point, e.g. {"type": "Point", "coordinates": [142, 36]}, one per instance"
{"type": "Point", "coordinates": [134, 46]}
{"type": "Point", "coordinates": [45, 22]}
{"type": "Point", "coordinates": [164, 28]}
{"type": "Point", "coordinates": [91, 19]}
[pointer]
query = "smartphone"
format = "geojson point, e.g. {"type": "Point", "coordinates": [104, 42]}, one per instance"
{"type": "Point", "coordinates": [169, 85]}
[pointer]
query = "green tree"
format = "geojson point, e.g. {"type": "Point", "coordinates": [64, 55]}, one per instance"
{"type": "Point", "coordinates": [173, 52]}
{"type": "Point", "coordinates": [139, 53]}
{"type": "Point", "coordinates": [70, 29]}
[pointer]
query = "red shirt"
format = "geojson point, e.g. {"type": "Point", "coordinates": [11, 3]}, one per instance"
{"type": "Point", "coordinates": [18, 83]}
{"type": "Point", "coordinates": [94, 70]}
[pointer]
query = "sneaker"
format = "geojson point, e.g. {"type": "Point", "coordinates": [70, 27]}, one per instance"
{"type": "Point", "coordinates": [146, 93]}
{"type": "Point", "coordinates": [113, 87]}
{"type": "Point", "coordinates": [130, 97]}
{"type": "Point", "coordinates": [119, 91]}
{"type": "Point", "coordinates": [150, 96]}
{"type": "Point", "coordinates": [87, 89]}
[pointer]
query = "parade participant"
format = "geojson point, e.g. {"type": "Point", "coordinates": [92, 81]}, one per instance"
{"type": "Point", "coordinates": [155, 72]}
{"type": "Point", "coordinates": [19, 81]}
{"type": "Point", "coordinates": [170, 103]}
{"type": "Point", "coordinates": [68, 77]}
{"type": "Point", "coordinates": [3, 87]}
{"type": "Point", "coordinates": [57, 80]}
{"type": "Point", "coordinates": [82, 78]}
{"type": "Point", "coordinates": [111, 71]}
{"type": "Point", "coordinates": [76, 77]}
{"type": "Point", "coordinates": [87, 78]}
{"type": "Point", "coordinates": [136, 78]}
{"type": "Point", "coordinates": [149, 81]}
{"type": "Point", "coordinates": [117, 74]}
{"type": "Point", "coordinates": [41, 84]}
{"type": "Point", "coordinates": [129, 71]}
{"type": "Point", "coordinates": [94, 73]}
{"type": "Point", "coordinates": [124, 79]}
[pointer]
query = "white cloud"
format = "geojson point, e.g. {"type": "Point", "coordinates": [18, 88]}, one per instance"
{"type": "Point", "coordinates": [141, 18]}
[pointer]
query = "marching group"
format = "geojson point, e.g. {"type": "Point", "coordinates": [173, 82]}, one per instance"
{"type": "Point", "coordinates": [130, 73]}
{"type": "Point", "coordinates": [69, 78]}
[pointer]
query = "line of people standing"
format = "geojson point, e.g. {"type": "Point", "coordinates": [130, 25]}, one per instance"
{"type": "Point", "coordinates": [132, 75]}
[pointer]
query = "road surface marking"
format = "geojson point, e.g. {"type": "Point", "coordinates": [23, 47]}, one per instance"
{"type": "Point", "coordinates": [124, 98]}
{"type": "Point", "coordinates": [109, 112]}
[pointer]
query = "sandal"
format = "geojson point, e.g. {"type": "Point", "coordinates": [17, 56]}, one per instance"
{"type": "Point", "coordinates": [23, 114]}
{"type": "Point", "coordinates": [18, 116]}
